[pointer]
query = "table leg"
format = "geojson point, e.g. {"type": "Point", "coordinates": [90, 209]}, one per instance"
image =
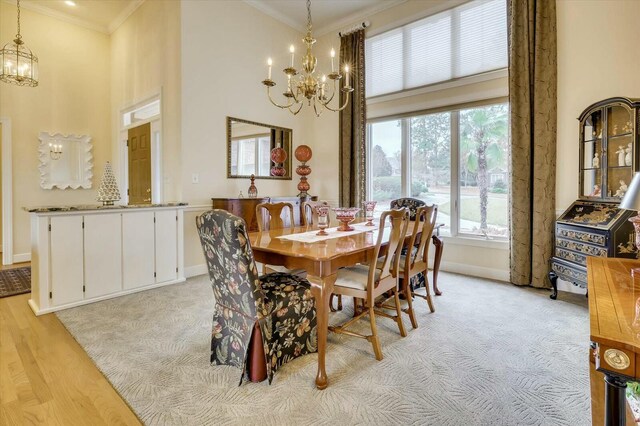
{"type": "Point", "coordinates": [439, 244]}
{"type": "Point", "coordinates": [322, 287]}
{"type": "Point", "coordinates": [615, 400]}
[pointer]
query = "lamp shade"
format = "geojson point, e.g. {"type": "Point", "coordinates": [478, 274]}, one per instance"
{"type": "Point", "coordinates": [631, 199]}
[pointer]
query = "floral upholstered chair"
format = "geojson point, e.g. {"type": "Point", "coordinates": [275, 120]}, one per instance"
{"type": "Point", "coordinates": [280, 304]}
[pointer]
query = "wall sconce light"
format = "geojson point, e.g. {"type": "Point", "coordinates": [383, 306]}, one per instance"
{"type": "Point", "coordinates": [55, 151]}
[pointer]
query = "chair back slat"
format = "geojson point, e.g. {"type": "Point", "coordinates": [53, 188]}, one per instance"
{"type": "Point", "coordinates": [425, 222]}
{"type": "Point", "coordinates": [273, 216]}
{"type": "Point", "coordinates": [232, 267]}
{"type": "Point", "coordinates": [399, 220]}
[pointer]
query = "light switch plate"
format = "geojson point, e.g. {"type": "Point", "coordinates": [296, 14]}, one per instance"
{"type": "Point", "coordinates": [195, 178]}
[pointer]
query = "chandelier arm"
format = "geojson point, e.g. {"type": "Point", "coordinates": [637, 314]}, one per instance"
{"type": "Point", "coordinates": [297, 111]}
{"type": "Point", "coordinates": [274, 102]}
{"type": "Point", "coordinates": [315, 108]}
{"type": "Point", "coordinates": [346, 102]}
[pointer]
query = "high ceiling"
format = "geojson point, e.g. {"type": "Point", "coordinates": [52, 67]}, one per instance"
{"type": "Point", "coordinates": [101, 15]}
{"type": "Point", "coordinates": [107, 15]}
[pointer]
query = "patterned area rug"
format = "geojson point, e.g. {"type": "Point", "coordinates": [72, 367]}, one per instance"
{"type": "Point", "coordinates": [15, 281]}
{"type": "Point", "coordinates": [491, 354]}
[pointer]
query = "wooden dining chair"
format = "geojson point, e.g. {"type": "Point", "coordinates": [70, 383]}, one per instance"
{"type": "Point", "coordinates": [414, 263]}
{"type": "Point", "coordinates": [276, 216]}
{"type": "Point", "coordinates": [367, 282]}
{"type": "Point", "coordinates": [413, 204]}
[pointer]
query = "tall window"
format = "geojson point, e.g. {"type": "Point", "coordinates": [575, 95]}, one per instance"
{"type": "Point", "coordinates": [466, 40]}
{"type": "Point", "coordinates": [456, 159]}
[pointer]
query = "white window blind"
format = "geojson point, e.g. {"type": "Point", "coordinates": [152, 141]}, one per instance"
{"type": "Point", "coordinates": [469, 39]}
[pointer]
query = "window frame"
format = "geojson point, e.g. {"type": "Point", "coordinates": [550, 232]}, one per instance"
{"type": "Point", "coordinates": [454, 110]}
{"type": "Point", "coordinates": [256, 138]}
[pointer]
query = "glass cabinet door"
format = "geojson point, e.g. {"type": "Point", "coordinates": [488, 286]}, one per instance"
{"type": "Point", "coordinates": [591, 151]}
{"type": "Point", "coordinates": [620, 150]}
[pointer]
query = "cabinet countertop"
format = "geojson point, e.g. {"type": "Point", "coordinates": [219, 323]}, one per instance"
{"type": "Point", "coordinates": [88, 207]}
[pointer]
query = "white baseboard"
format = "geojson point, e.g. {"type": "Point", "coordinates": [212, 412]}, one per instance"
{"type": "Point", "coordinates": [476, 271]}
{"type": "Point", "coordinates": [195, 270]}
{"type": "Point", "coordinates": [22, 257]}
{"type": "Point", "coordinates": [569, 287]}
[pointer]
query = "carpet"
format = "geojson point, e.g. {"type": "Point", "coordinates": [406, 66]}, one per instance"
{"type": "Point", "coordinates": [15, 281]}
{"type": "Point", "coordinates": [491, 354]}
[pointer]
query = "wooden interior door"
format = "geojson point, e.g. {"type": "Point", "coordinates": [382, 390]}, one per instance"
{"type": "Point", "coordinates": [139, 148]}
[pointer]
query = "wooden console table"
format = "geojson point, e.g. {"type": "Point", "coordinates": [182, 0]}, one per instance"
{"type": "Point", "coordinates": [246, 208]}
{"type": "Point", "coordinates": [614, 311]}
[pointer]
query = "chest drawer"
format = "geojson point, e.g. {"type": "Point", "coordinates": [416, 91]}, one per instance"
{"type": "Point", "coordinates": [571, 256]}
{"type": "Point", "coordinates": [582, 236]}
{"type": "Point", "coordinates": [587, 249]}
{"type": "Point", "coordinates": [571, 273]}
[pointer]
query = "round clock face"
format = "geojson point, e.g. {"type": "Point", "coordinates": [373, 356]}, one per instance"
{"type": "Point", "coordinates": [617, 359]}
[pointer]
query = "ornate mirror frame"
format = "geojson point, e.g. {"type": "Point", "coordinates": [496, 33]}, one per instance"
{"type": "Point", "coordinates": [288, 148]}
{"type": "Point", "coordinates": [78, 170]}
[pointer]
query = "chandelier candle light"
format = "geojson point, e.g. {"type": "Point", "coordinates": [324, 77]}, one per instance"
{"type": "Point", "coordinates": [308, 85]}
{"type": "Point", "coordinates": [18, 65]}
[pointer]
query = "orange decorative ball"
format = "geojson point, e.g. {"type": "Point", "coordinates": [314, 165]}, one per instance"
{"type": "Point", "coordinates": [278, 155]}
{"type": "Point", "coordinates": [303, 153]}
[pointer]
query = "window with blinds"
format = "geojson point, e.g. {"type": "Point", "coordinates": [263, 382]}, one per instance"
{"type": "Point", "coordinates": [467, 40]}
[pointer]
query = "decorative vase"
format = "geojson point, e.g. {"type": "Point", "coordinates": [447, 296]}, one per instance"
{"type": "Point", "coordinates": [108, 191]}
{"type": "Point", "coordinates": [252, 192]}
{"type": "Point", "coordinates": [369, 207]}
{"type": "Point", "coordinates": [323, 219]}
{"type": "Point", "coordinates": [278, 157]}
{"type": "Point", "coordinates": [346, 215]}
{"type": "Point", "coordinates": [303, 154]}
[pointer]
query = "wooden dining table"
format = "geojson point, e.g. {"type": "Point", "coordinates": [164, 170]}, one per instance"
{"type": "Point", "coordinates": [321, 260]}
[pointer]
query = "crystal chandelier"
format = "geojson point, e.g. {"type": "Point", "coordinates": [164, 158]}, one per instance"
{"type": "Point", "coordinates": [18, 64]}
{"type": "Point", "coordinates": [307, 85]}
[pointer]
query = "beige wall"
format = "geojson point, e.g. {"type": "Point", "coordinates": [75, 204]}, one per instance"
{"type": "Point", "coordinates": [145, 59]}
{"type": "Point", "coordinates": [72, 97]}
{"type": "Point", "coordinates": [225, 46]}
{"type": "Point", "coordinates": [595, 61]}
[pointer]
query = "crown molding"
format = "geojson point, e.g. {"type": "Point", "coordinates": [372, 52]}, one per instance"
{"type": "Point", "coordinates": [264, 7]}
{"type": "Point", "coordinates": [350, 20]}
{"type": "Point", "coordinates": [124, 15]}
{"type": "Point", "coordinates": [105, 29]}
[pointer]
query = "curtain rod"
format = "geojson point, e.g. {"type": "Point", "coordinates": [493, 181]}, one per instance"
{"type": "Point", "coordinates": [354, 28]}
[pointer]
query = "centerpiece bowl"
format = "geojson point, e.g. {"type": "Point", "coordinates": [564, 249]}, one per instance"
{"type": "Point", "coordinates": [346, 215]}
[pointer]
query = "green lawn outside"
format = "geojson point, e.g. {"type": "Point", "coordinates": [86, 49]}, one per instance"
{"type": "Point", "coordinates": [497, 210]}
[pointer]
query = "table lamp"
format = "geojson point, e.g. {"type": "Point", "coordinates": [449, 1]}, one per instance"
{"type": "Point", "coordinates": [631, 201]}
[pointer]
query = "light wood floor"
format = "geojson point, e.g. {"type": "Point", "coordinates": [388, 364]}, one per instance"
{"type": "Point", "coordinates": [47, 378]}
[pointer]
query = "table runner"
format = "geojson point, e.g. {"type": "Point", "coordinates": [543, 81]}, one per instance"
{"type": "Point", "coordinates": [311, 237]}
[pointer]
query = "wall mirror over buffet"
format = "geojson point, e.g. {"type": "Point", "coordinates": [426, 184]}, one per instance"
{"type": "Point", "coordinates": [259, 149]}
{"type": "Point", "coordinates": [65, 161]}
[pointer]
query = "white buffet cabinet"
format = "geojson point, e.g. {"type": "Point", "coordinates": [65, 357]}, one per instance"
{"type": "Point", "coordinates": [84, 254]}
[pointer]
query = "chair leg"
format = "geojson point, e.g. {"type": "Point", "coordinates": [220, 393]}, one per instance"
{"type": "Point", "coordinates": [408, 296]}
{"type": "Point", "coordinates": [375, 342]}
{"type": "Point", "coordinates": [428, 293]}
{"type": "Point", "coordinates": [403, 332]}
{"type": "Point", "coordinates": [339, 302]}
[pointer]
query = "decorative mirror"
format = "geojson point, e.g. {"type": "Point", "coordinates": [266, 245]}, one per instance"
{"type": "Point", "coordinates": [260, 149]}
{"type": "Point", "coordinates": [65, 161]}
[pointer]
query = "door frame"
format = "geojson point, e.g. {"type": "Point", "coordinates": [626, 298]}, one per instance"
{"type": "Point", "coordinates": [157, 186]}
{"type": "Point", "coordinates": [7, 193]}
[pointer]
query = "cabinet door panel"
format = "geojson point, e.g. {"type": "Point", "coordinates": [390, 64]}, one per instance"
{"type": "Point", "coordinates": [67, 275]}
{"type": "Point", "coordinates": [102, 254]}
{"type": "Point", "coordinates": [166, 245]}
{"type": "Point", "coordinates": [137, 249]}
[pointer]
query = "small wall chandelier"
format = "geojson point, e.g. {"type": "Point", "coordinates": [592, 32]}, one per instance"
{"type": "Point", "coordinates": [307, 85]}
{"type": "Point", "coordinates": [18, 64]}
{"type": "Point", "coordinates": [55, 151]}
